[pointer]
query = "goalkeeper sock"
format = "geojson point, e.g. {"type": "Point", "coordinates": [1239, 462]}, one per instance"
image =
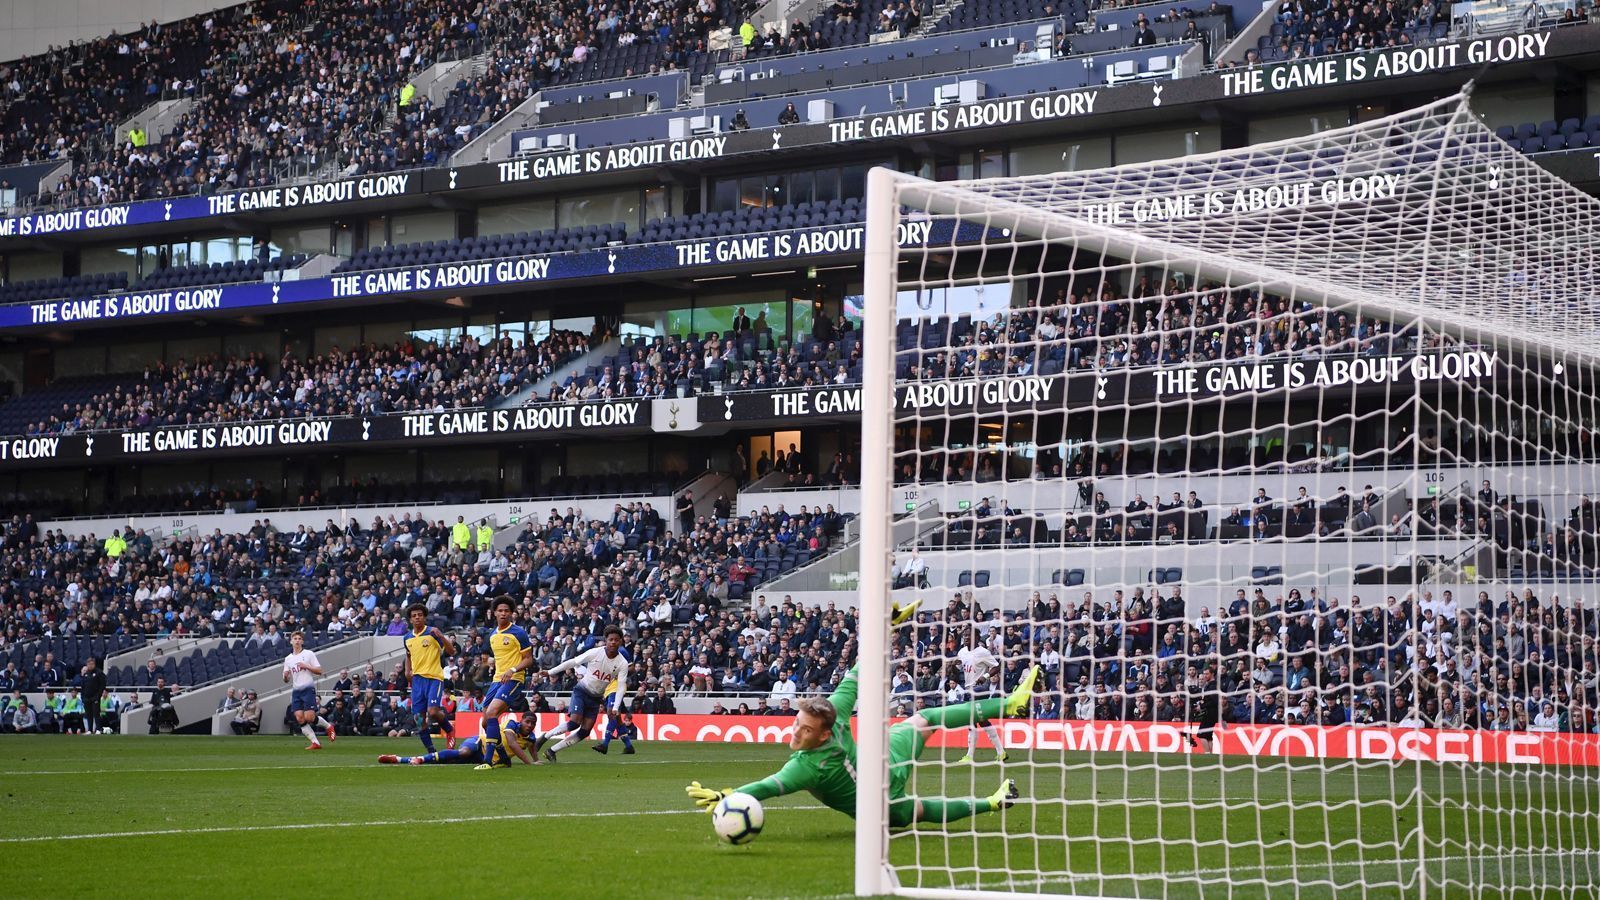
{"type": "Point", "coordinates": [962, 715]}
{"type": "Point", "coordinates": [945, 810]}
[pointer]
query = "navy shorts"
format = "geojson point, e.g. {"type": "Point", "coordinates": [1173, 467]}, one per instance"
{"type": "Point", "coordinates": [303, 699]}
{"type": "Point", "coordinates": [500, 690]}
{"type": "Point", "coordinates": [426, 693]}
{"type": "Point", "coordinates": [584, 705]}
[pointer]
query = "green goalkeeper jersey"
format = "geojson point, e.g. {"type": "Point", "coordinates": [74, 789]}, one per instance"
{"type": "Point", "coordinates": [828, 772]}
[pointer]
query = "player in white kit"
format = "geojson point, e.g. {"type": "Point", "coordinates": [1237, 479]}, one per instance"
{"type": "Point", "coordinates": [302, 668]}
{"type": "Point", "coordinates": [981, 671]}
{"type": "Point", "coordinates": [597, 668]}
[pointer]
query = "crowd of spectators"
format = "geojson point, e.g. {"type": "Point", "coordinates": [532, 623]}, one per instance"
{"type": "Point", "coordinates": [1522, 663]}
{"type": "Point", "coordinates": [407, 377]}
{"type": "Point", "coordinates": [745, 357]}
{"type": "Point", "coordinates": [285, 88]}
{"type": "Point", "coordinates": [1310, 28]}
{"type": "Point", "coordinates": [569, 574]}
{"type": "Point", "coordinates": [1102, 327]}
{"type": "Point", "coordinates": [200, 496]}
{"type": "Point", "coordinates": [272, 84]}
{"type": "Point", "coordinates": [67, 103]}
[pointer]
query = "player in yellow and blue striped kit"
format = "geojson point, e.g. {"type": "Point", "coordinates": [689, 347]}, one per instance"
{"type": "Point", "coordinates": [513, 656]}
{"type": "Point", "coordinates": [426, 648]}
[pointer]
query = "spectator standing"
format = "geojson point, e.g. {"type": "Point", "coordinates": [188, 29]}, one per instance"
{"type": "Point", "coordinates": [685, 510]}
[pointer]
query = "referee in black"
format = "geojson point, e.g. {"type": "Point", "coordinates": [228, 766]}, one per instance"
{"type": "Point", "coordinates": [92, 685]}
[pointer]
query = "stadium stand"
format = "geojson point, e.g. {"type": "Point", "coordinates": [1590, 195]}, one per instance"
{"type": "Point", "coordinates": [409, 376]}
{"type": "Point", "coordinates": [1282, 656]}
{"type": "Point", "coordinates": [286, 90]}
{"type": "Point", "coordinates": [84, 596]}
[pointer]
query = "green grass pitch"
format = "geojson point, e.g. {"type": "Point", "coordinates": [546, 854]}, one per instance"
{"type": "Point", "coordinates": [196, 816]}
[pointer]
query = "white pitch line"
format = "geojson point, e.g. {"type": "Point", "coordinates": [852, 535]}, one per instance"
{"type": "Point", "coordinates": [316, 766]}
{"type": "Point", "coordinates": [376, 823]}
{"type": "Point", "coordinates": [1281, 867]}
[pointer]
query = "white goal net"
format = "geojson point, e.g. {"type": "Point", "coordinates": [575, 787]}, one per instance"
{"type": "Point", "coordinates": [1278, 462]}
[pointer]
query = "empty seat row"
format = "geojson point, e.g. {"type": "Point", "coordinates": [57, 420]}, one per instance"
{"type": "Point", "coordinates": [247, 270]}
{"type": "Point", "coordinates": [58, 288]}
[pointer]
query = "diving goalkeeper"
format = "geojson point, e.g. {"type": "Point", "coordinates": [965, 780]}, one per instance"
{"type": "Point", "coordinates": [824, 761]}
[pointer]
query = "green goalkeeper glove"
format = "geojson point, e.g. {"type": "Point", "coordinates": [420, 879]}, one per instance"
{"type": "Point", "coordinates": [899, 614]}
{"type": "Point", "coordinates": [704, 797]}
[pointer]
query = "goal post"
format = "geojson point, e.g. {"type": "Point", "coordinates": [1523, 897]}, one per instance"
{"type": "Point", "coordinates": [1279, 462]}
{"type": "Point", "coordinates": [880, 274]}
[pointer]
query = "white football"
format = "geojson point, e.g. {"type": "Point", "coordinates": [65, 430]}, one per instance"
{"type": "Point", "coordinates": [738, 818]}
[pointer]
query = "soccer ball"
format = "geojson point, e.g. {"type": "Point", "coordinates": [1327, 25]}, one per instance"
{"type": "Point", "coordinates": [738, 818]}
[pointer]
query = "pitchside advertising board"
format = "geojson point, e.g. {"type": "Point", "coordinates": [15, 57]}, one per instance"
{"type": "Point", "coordinates": [807, 243]}
{"type": "Point", "coordinates": [1055, 106]}
{"type": "Point", "coordinates": [1017, 394]}
{"type": "Point", "coordinates": [1369, 743]}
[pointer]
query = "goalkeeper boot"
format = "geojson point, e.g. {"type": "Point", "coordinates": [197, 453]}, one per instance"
{"type": "Point", "coordinates": [899, 614]}
{"type": "Point", "coordinates": [483, 767]}
{"type": "Point", "coordinates": [1000, 755]}
{"type": "Point", "coordinates": [1006, 797]}
{"type": "Point", "coordinates": [965, 760]}
{"type": "Point", "coordinates": [1017, 702]}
